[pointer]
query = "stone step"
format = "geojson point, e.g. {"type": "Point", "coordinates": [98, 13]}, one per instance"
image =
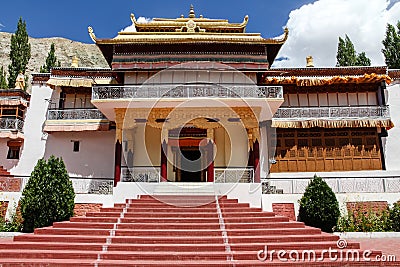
{"type": "Point", "coordinates": [93, 225]}
{"type": "Point", "coordinates": [95, 219]}
{"type": "Point", "coordinates": [198, 220]}
{"type": "Point", "coordinates": [154, 232]}
{"type": "Point", "coordinates": [60, 238]}
{"type": "Point", "coordinates": [49, 254]}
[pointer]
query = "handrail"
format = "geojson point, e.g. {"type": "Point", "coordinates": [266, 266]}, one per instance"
{"type": "Point", "coordinates": [75, 114]}
{"type": "Point", "coordinates": [298, 113]}
{"type": "Point", "coordinates": [82, 185]}
{"type": "Point", "coordinates": [234, 175]}
{"type": "Point", "coordinates": [379, 184]}
{"type": "Point", "coordinates": [185, 91]}
{"type": "Point", "coordinates": [145, 174]}
{"type": "Point", "coordinates": [11, 124]}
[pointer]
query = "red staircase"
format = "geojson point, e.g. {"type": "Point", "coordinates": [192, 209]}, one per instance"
{"type": "Point", "coordinates": [150, 232]}
{"type": "Point", "coordinates": [4, 172]}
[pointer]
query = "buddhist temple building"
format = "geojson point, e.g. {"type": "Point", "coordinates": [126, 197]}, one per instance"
{"type": "Point", "coordinates": [193, 100]}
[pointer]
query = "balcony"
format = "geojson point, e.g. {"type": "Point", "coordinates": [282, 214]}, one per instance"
{"type": "Point", "coordinates": [11, 128]}
{"type": "Point", "coordinates": [333, 112]}
{"type": "Point", "coordinates": [107, 98]}
{"type": "Point", "coordinates": [75, 120]}
{"type": "Point", "coordinates": [332, 117]}
{"type": "Point", "coordinates": [186, 91]}
{"type": "Point", "coordinates": [75, 114]}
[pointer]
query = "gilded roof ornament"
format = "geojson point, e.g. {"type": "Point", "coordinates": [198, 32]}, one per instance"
{"type": "Point", "coordinates": [91, 34]}
{"type": "Point", "coordinates": [133, 19]}
{"type": "Point", "coordinates": [191, 13]}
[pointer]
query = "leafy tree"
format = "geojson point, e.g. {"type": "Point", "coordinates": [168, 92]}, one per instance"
{"type": "Point", "coordinates": [347, 55]}
{"type": "Point", "coordinates": [3, 79]}
{"type": "Point", "coordinates": [51, 60]}
{"type": "Point", "coordinates": [362, 60]}
{"type": "Point", "coordinates": [394, 215]}
{"type": "Point", "coordinates": [391, 44]}
{"type": "Point", "coordinates": [20, 53]}
{"type": "Point", "coordinates": [48, 196]}
{"type": "Point", "coordinates": [319, 206]}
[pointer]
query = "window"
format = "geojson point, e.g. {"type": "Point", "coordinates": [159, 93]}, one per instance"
{"type": "Point", "coordinates": [76, 146]}
{"type": "Point", "coordinates": [13, 152]}
{"type": "Point", "coordinates": [14, 146]}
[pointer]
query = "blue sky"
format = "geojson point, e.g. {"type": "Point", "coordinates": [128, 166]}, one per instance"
{"type": "Point", "coordinates": [314, 25]}
{"type": "Point", "coordinates": [69, 19]}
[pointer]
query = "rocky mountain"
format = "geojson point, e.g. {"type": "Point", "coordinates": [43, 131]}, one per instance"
{"type": "Point", "coordinates": [89, 54]}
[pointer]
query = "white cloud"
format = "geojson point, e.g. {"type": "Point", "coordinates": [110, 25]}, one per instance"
{"type": "Point", "coordinates": [314, 30]}
{"type": "Point", "coordinates": [144, 20]}
{"type": "Point", "coordinates": [132, 27]}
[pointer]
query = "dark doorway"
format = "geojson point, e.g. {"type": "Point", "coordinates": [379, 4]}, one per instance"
{"type": "Point", "coordinates": [191, 169]}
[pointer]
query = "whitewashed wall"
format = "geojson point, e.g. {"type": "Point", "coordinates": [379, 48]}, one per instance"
{"type": "Point", "coordinates": [330, 99]}
{"type": "Point", "coordinates": [35, 140]}
{"type": "Point", "coordinates": [392, 151]}
{"type": "Point", "coordinates": [95, 157]}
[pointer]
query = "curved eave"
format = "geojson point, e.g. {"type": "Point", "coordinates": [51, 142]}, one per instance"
{"type": "Point", "coordinates": [127, 38]}
{"type": "Point", "coordinates": [179, 22]}
{"type": "Point", "coordinates": [176, 37]}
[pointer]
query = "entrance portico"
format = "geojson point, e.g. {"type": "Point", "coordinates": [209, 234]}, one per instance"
{"type": "Point", "coordinates": [190, 152]}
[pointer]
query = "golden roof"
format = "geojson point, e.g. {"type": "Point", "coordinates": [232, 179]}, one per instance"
{"type": "Point", "coordinates": [200, 24]}
{"type": "Point", "coordinates": [188, 29]}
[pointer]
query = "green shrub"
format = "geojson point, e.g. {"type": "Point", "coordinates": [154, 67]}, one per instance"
{"type": "Point", "coordinates": [48, 196]}
{"type": "Point", "coordinates": [361, 221]}
{"type": "Point", "coordinates": [12, 225]}
{"type": "Point", "coordinates": [319, 206]}
{"type": "Point", "coordinates": [394, 215]}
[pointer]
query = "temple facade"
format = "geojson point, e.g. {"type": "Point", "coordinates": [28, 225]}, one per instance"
{"type": "Point", "coordinates": [195, 100]}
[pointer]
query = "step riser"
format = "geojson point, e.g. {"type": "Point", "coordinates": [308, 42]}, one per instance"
{"type": "Point", "coordinates": [54, 255]}
{"type": "Point", "coordinates": [172, 257]}
{"type": "Point", "coordinates": [149, 232]}
{"type": "Point", "coordinates": [94, 219]}
{"type": "Point", "coordinates": [170, 220]}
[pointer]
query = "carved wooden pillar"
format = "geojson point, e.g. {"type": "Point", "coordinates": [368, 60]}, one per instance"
{"type": "Point", "coordinates": [164, 161]}
{"type": "Point", "coordinates": [210, 167]}
{"type": "Point", "coordinates": [117, 162]}
{"type": "Point", "coordinates": [256, 153]}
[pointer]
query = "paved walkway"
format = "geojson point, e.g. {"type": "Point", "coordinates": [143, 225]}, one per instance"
{"type": "Point", "coordinates": [388, 246]}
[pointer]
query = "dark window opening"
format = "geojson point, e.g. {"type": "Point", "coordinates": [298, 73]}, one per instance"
{"type": "Point", "coordinates": [76, 146]}
{"type": "Point", "coordinates": [13, 152]}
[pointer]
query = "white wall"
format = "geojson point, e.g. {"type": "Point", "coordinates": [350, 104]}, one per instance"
{"type": "Point", "coordinates": [330, 99]}
{"type": "Point", "coordinates": [95, 157]}
{"type": "Point", "coordinates": [35, 140]}
{"type": "Point", "coordinates": [236, 146]}
{"type": "Point", "coordinates": [392, 151]}
{"type": "Point", "coordinates": [219, 139]}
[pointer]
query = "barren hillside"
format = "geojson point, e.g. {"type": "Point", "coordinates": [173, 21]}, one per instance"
{"type": "Point", "coordinates": [89, 55]}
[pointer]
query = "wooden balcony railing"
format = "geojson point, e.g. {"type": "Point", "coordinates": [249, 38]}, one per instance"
{"type": "Point", "coordinates": [186, 91]}
{"type": "Point", "coordinates": [75, 114]}
{"type": "Point", "coordinates": [299, 113]}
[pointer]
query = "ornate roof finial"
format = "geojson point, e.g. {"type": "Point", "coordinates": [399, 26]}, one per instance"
{"type": "Point", "coordinates": [191, 13]}
{"type": "Point", "coordinates": [310, 62]}
{"type": "Point", "coordinates": [75, 62]}
{"type": "Point", "coordinates": [91, 34]}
